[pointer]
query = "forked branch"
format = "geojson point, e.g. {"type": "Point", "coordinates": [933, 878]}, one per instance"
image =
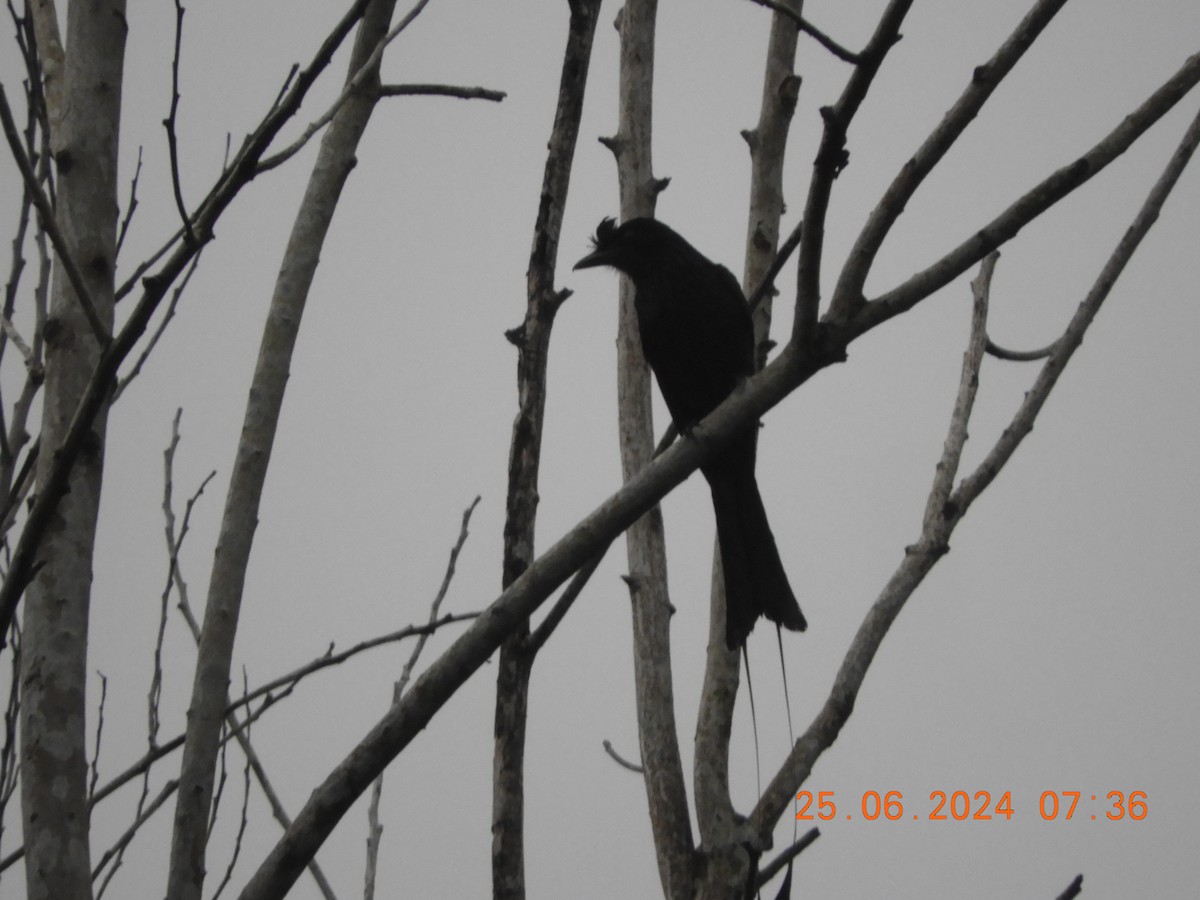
{"type": "Point", "coordinates": [945, 508]}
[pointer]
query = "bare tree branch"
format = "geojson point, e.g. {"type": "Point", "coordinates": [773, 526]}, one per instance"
{"type": "Point", "coordinates": [832, 157]}
{"type": "Point", "coordinates": [812, 31]}
{"type": "Point", "coordinates": [335, 160]}
{"type": "Point", "coordinates": [441, 90]}
{"type": "Point", "coordinates": [95, 764]}
{"type": "Point", "coordinates": [232, 180]}
{"type": "Point", "coordinates": [285, 685]}
{"type": "Point", "coordinates": [999, 352]}
{"type": "Point", "coordinates": [169, 124]}
{"type": "Point", "coordinates": [367, 71]}
{"type": "Point", "coordinates": [176, 294]}
{"type": "Point", "coordinates": [622, 761]}
{"type": "Point", "coordinates": [329, 659]}
{"type": "Point", "coordinates": [445, 674]}
{"type": "Point", "coordinates": [374, 828]}
{"type": "Point", "coordinates": [174, 541]}
{"type": "Point", "coordinates": [1033, 203]}
{"type": "Point", "coordinates": [645, 541]}
{"type": "Point", "coordinates": [968, 385]}
{"type": "Point", "coordinates": [775, 866]}
{"type": "Point", "coordinates": [131, 206]}
{"type": "Point", "coordinates": [564, 603]}
{"type": "Point", "coordinates": [1022, 423]}
{"type": "Point", "coordinates": [50, 224]}
{"type": "Point", "coordinates": [1074, 889]}
{"type": "Point", "coordinates": [941, 517]}
{"type": "Point", "coordinates": [848, 295]}
{"type": "Point", "coordinates": [532, 340]}
{"type": "Point", "coordinates": [767, 284]}
{"type": "Point", "coordinates": [125, 839]}
{"type": "Point", "coordinates": [243, 819]}
{"type": "Point", "coordinates": [731, 850]}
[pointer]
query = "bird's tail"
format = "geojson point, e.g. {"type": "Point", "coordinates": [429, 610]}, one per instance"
{"type": "Point", "coordinates": [755, 581]}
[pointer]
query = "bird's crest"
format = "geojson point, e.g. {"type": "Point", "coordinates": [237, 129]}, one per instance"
{"type": "Point", "coordinates": [606, 233]}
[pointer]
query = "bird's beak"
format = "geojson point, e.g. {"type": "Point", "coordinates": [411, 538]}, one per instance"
{"type": "Point", "coordinates": [593, 259]}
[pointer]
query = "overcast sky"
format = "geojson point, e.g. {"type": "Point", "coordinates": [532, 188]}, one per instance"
{"type": "Point", "coordinates": [1052, 650]}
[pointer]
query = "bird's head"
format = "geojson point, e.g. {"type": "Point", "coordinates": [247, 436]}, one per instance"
{"type": "Point", "coordinates": [634, 247]}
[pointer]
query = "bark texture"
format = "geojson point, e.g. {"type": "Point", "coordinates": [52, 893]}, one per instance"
{"type": "Point", "coordinates": [54, 662]}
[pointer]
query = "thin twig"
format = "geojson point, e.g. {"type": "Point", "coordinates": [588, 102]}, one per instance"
{"type": "Point", "coordinates": [441, 90]}
{"type": "Point", "coordinates": [22, 485]}
{"type": "Point", "coordinates": [149, 759]}
{"type": "Point", "coordinates": [374, 828]}
{"type": "Point", "coordinates": [334, 659]}
{"type": "Point", "coordinates": [771, 869]}
{"type": "Point", "coordinates": [812, 31]}
{"type": "Point", "coordinates": [367, 70]}
{"type": "Point", "coordinates": [176, 294]}
{"type": "Point", "coordinates": [781, 257]}
{"type": "Point", "coordinates": [435, 606]}
{"type": "Point", "coordinates": [222, 776]}
{"type": "Point", "coordinates": [131, 206]}
{"type": "Point", "coordinates": [832, 157]}
{"type": "Point", "coordinates": [244, 739]}
{"type": "Point", "coordinates": [999, 352]}
{"type": "Point", "coordinates": [95, 766]}
{"type": "Point", "coordinates": [620, 760]}
{"type": "Point", "coordinates": [563, 604]}
{"type": "Point", "coordinates": [169, 124]}
{"type": "Point", "coordinates": [175, 578]}
{"type": "Point", "coordinates": [123, 841]}
{"type": "Point", "coordinates": [50, 224]}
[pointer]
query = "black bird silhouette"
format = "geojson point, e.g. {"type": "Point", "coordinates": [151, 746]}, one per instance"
{"type": "Point", "coordinates": [698, 338]}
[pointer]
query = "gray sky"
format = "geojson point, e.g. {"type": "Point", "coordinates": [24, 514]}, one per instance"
{"type": "Point", "coordinates": [1052, 649]}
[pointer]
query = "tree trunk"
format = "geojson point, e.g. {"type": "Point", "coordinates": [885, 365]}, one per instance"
{"type": "Point", "coordinates": [54, 662]}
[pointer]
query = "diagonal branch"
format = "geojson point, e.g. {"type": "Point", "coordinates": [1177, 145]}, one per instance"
{"type": "Point", "coordinates": [847, 296]}
{"type": "Point", "coordinates": [335, 160]}
{"type": "Point", "coordinates": [374, 828]}
{"type": "Point", "coordinates": [1036, 201]}
{"type": "Point", "coordinates": [50, 224]}
{"type": "Point", "coordinates": [775, 866]}
{"type": "Point", "coordinates": [564, 603]}
{"type": "Point", "coordinates": [1022, 423]}
{"type": "Point", "coordinates": [367, 71]}
{"type": "Point", "coordinates": [942, 517]}
{"type": "Point", "coordinates": [169, 124]}
{"type": "Point", "coordinates": [832, 157]}
{"type": "Point", "coordinates": [813, 32]}
{"type": "Point", "coordinates": [441, 90]}
{"type": "Point", "coordinates": [155, 287]}
{"type": "Point", "coordinates": [284, 685]}
{"type": "Point", "coordinates": [477, 644]}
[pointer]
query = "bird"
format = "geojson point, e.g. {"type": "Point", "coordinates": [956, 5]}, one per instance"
{"type": "Point", "coordinates": [698, 337]}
